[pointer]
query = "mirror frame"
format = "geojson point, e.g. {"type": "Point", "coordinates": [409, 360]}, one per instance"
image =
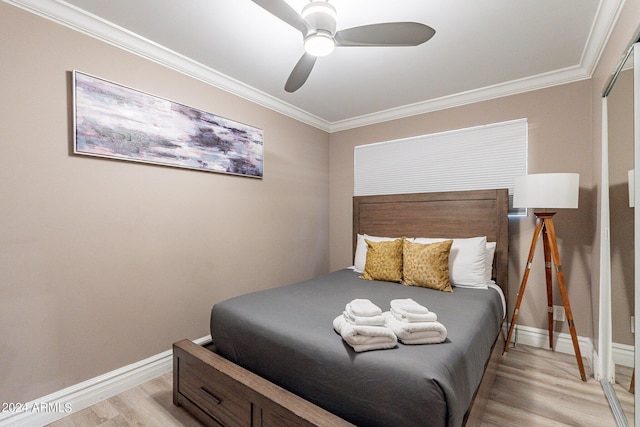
{"type": "Point", "coordinates": [636, 212]}
{"type": "Point", "coordinates": [606, 368]}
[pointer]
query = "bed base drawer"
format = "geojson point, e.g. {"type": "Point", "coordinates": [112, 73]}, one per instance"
{"type": "Point", "coordinates": [214, 393]}
{"type": "Point", "coordinates": [220, 393]}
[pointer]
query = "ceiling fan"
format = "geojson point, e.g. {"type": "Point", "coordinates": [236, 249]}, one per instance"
{"type": "Point", "coordinates": [317, 23]}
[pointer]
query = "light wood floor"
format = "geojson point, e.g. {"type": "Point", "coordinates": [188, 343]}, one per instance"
{"type": "Point", "coordinates": [539, 387]}
{"type": "Point", "coordinates": [534, 387]}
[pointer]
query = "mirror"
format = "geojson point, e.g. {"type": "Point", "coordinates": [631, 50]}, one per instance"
{"type": "Point", "coordinates": [620, 238]}
{"type": "Point", "coordinates": [621, 229]}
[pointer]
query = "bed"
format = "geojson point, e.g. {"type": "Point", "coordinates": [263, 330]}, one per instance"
{"type": "Point", "coordinates": [276, 360]}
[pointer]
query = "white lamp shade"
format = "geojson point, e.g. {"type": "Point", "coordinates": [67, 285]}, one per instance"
{"type": "Point", "coordinates": [547, 190]}
{"type": "Point", "coordinates": [632, 179]}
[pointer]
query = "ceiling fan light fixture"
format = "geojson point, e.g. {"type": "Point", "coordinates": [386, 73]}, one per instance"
{"type": "Point", "coordinates": [320, 43]}
{"type": "Point", "coordinates": [317, 23]}
{"type": "Point", "coordinates": [320, 15]}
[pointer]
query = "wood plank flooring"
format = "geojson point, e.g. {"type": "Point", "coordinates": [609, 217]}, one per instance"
{"type": "Point", "coordinates": [534, 387]}
{"type": "Point", "coordinates": [539, 387]}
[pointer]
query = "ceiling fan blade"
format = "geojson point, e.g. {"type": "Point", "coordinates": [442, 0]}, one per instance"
{"type": "Point", "coordinates": [300, 73]}
{"type": "Point", "coordinates": [280, 9]}
{"type": "Point", "coordinates": [387, 34]}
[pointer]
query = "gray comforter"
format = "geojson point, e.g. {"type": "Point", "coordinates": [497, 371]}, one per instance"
{"type": "Point", "coordinates": [286, 336]}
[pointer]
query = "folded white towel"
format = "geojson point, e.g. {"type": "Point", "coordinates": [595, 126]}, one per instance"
{"type": "Point", "coordinates": [413, 317]}
{"type": "Point", "coordinates": [364, 337]}
{"type": "Point", "coordinates": [363, 307]}
{"type": "Point", "coordinates": [416, 332]}
{"type": "Point", "coordinates": [364, 320]}
{"type": "Point", "coordinates": [408, 305]}
{"type": "Point", "coordinates": [426, 340]}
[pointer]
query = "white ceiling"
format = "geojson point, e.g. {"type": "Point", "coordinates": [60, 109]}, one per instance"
{"type": "Point", "coordinates": [482, 49]}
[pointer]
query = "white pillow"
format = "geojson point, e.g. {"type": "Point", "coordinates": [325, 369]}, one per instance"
{"type": "Point", "coordinates": [467, 260]}
{"type": "Point", "coordinates": [491, 250]}
{"type": "Point", "coordinates": [361, 250]}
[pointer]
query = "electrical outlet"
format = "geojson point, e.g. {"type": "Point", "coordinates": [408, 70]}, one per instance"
{"type": "Point", "coordinates": [633, 324]}
{"type": "Point", "coordinates": [558, 313]}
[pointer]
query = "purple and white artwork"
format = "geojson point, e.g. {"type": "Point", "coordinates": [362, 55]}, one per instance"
{"type": "Point", "coordinates": [118, 122]}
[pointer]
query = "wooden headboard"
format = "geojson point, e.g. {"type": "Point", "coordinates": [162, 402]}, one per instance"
{"type": "Point", "coordinates": [456, 214]}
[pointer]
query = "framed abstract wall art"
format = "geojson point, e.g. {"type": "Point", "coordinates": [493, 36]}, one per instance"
{"type": "Point", "coordinates": [117, 122]}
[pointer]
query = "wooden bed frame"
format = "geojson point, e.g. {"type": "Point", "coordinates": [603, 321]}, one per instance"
{"type": "Point", "coordinates": [219, 392]}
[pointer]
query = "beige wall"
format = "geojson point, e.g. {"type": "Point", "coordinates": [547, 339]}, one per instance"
{"type": "Point", "coordinates": [104, 263]}
{"type": "Point", "coordinates": [559, 141]}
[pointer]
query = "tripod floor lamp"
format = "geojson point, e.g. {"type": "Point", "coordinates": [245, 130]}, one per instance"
{"type": "Point", "coordinates": [547, 191]}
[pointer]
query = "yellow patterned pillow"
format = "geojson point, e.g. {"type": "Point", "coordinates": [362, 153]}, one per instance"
{"type": "Point", "coordinates": [427, 265]}
{"type": "Point", "coordinates": [384, 261]}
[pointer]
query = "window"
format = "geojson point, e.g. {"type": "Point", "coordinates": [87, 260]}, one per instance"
{"type": "Point", "coordinates": [477, 158]}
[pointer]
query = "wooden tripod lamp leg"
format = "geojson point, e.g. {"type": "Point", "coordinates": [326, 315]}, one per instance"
{"type": "Point", "coordinates": [555, 253]}
{"type": "Point", "coordinates": [549, 278]}
{"type": "Point", "coordinates": [532, 250]}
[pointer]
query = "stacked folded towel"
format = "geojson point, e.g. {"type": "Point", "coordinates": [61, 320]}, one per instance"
{"type": "Point", "coordinates": [363, 312]}
{"type": "Point", "coordinates": [413, 323]}
{"type": "Point", "coordinates": [363, 327]}
{"type": "Point", "coordinates": [408, 310]}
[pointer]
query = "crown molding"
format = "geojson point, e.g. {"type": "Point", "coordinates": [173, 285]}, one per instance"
{"type": "Point", "coordinates": [603, 24]}
{"type": "Point", "coordinates": [91, 25]}
{"type": "Point", "coordinates": [567, 75]}
{"type": "Point", "coordinates": [79, 20]}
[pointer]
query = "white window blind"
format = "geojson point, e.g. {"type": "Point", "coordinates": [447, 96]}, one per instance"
{"type": "Point", "coordinates": [477, 158]}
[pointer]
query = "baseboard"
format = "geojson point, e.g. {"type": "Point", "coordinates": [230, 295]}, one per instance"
{"type": "Point", "coordinates": [623, 354]}
{"type": "Point", "coordinates": [72, 399]}
{"type": "Point", "coordinates": [562, 342]}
